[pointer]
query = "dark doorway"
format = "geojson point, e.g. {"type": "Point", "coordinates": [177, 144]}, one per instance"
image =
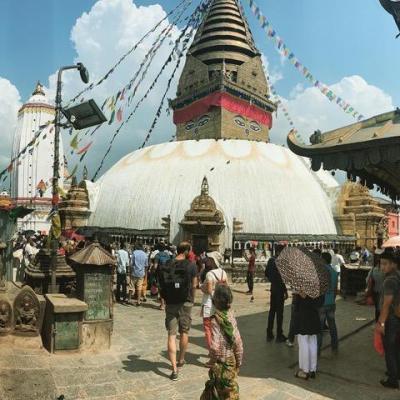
{"type": "Point", "coordinates": [200, 243]}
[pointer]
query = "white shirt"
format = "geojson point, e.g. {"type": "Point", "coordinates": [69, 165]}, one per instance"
{"type": "Point", "coordinates": [213, 276]}
{"type": "Point", "coordinates": [337, 261]}
{"type": "Point", "coordinates": [122, 261]}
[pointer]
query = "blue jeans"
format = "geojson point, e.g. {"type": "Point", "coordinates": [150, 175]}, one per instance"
{"type": "Point", "coordinates": [328, 313]}
{"type": "Point", "coordinates": [392, 348]}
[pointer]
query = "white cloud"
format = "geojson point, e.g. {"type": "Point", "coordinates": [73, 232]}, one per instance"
{"type": "Point", "coordinates": [311, 110]}
{"type": "Point", "coordinates": [10, 102]}
{"type": "Point", "coordinates": [100, 37]}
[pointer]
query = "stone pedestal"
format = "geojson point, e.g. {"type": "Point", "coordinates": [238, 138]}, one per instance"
{"type": "Point", "coordinates": [62, 328]}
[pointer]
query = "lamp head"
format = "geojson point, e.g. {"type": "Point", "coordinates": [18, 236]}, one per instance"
{"type": "Point", "coordinates": [83, 72]}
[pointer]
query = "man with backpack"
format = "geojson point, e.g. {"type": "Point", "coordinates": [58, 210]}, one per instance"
{"type": "Point", "coordinates": [178, 280]}
{"type": "Point", "coordinates": [389, 319]}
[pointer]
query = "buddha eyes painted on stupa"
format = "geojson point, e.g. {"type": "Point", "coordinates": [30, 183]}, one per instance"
{"type": "Point", "coordinates": [240, 121]}
{"type": "Point", "coordinates": [203, 120]}
{"type": "Point", "coordinates": [190, 125]}
{"type": "Point", "coordinates": [253, 125]}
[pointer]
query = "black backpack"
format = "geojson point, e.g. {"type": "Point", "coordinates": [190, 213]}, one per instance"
{"type": "Point", "coordinates": [174, 282]}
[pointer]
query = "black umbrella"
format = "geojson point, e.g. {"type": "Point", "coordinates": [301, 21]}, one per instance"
{"type": "Point", "coordinates": [304, 271]}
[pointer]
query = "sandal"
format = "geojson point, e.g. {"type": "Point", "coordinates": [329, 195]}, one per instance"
{"type": "Point", "coordinates": [302, 375]}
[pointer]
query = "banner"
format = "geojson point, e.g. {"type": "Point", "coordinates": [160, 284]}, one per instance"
{"type": "Point", "coordinates": [285, 51]}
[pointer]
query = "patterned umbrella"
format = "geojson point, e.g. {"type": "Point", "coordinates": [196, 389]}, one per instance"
{"type": "Point", "coordinates": [304, 271]}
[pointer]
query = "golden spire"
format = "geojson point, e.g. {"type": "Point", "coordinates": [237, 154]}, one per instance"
{"type": "Point", "coordinates": [204, 187]}
{"type": "Point", "coordinates": [224, 34]}
{"type": "Point", "coordinates": [38, 89]}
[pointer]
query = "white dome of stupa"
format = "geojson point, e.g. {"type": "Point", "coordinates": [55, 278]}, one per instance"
{"type": "Point", "coordinates": [267, 187]}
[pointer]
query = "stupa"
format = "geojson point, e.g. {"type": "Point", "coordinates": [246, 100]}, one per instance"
{"type": "Point", "coordinates": [223, 115]}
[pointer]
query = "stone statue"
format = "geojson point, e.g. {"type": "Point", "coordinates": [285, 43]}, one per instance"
{"type": "Point", "coordinates": [316, 137]}
{"type": "Point", "coordinates": [27, 311]}
{"type": "Point", "coordinates": [5, 316]}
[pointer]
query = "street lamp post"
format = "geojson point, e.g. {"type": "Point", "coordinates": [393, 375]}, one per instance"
{"type": "Point", "coordinates": [56, 162]}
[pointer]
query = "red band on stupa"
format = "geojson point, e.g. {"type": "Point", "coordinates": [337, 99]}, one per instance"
{"type": "Point", "coordinates": [226, 101]}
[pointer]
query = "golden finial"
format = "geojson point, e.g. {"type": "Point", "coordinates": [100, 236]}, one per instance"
{"type": "Point", "coordinates": [204, 186]}
{"type": "Point", "coordinates": [38, 89]}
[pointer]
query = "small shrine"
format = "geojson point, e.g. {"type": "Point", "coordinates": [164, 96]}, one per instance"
{"type": "Point", "coordinates": [74, 210]}
{"type": "Point", "coordinates": [203, 223]}
{"type": "Point", "coordinates": [38, 273]}
{"type": "Point", "coordinates": [94, 268]}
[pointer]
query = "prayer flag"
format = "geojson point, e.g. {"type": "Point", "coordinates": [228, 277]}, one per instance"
{"type": "Point", "coordinates": [84, 149]}
{"type": "Point", "coordinates": [119, 115]}
{"type": "Point", "coordinates": [74, 142]}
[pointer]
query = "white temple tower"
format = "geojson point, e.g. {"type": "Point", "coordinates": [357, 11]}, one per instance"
{"type": "Point", "coordinates": [31, 175]}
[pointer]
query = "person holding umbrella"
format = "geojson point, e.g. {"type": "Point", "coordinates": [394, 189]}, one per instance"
{"type": "Point", "coordinates": [306, 273]}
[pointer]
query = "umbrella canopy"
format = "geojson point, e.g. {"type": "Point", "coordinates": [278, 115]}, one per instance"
{"type": "Point", "coordinates": [304, 271]}
{"type": "Point", "coordinates": [392, 242]}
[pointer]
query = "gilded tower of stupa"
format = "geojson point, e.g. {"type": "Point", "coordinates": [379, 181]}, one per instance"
{"type": "Point", "coordinates": [223, 91]}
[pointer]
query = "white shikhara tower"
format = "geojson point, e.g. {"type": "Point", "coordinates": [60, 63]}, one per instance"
{"type": "Point", "coordinates": [31, 175]}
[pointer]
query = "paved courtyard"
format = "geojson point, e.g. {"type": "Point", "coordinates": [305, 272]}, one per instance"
{"type": "Point", "coordinates": [136, 367]}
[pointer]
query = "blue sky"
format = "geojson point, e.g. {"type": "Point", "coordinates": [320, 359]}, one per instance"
{"type": "Point", "coordinates": [333, 38]}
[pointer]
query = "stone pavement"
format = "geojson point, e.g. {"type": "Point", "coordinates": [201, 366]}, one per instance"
{"type": "Point", "coordinates": [136, 367]}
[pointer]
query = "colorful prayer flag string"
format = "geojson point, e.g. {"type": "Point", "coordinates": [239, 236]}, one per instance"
{"type": "Point", "coordinates": [284, 50]}
{"type": "Point", "coordinates": [286, 114]}
{"type": "Point", "coordinates": [29, 147]}
{"type": "Point", "coordinates": [194, 21]}
{"type": "Point", "coordinates": [130, 51]}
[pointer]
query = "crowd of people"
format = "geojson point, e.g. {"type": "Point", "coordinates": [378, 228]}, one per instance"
{"type": "Point", "coordinates": [310, 317]}
{"type": "Point", "coordinates": [174, 274]}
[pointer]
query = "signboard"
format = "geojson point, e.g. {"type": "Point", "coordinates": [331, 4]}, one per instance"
{"type": "Point", "coordinates": [96, 294]}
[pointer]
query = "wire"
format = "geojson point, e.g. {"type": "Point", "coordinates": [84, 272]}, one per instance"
{"type": "Point", "coordinates": [131, 50]}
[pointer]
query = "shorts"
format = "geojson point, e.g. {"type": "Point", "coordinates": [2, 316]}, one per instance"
{"type": "Point", "coordinates": [137, 283]}
{"type": "Point", "coordinates": [178, 316]}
